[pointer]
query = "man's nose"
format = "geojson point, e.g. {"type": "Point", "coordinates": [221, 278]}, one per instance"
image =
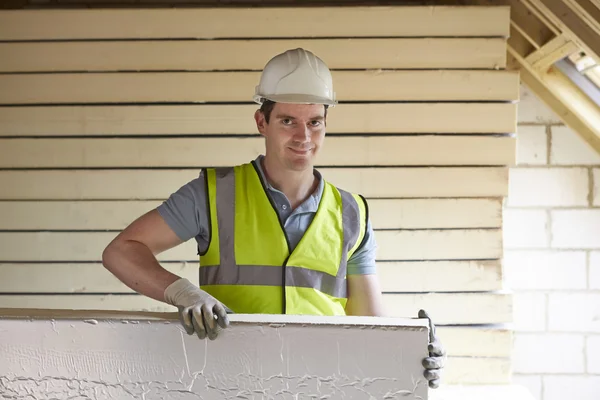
{"type": "Point", "coordinates": [302, 134]}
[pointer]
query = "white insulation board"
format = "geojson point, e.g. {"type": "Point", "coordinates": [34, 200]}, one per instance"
{"type": "Point", "coordinates": [257, 357]}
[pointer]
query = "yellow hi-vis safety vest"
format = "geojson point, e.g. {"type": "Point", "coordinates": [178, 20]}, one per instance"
{"type": "Point", "coordinates": [248, 265]}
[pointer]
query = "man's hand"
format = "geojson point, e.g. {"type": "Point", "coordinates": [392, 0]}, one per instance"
{"type": "Point", "coordinates": [197, 309]}
{"type": "Point", "coordinates": [437, 355]}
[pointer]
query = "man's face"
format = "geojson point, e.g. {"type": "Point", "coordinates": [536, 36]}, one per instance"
{"type": "Point", "coordinates": [294, 134]}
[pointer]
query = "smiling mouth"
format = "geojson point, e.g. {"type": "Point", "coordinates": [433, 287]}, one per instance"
{"type": "Point", "coordinates": [305, 151]}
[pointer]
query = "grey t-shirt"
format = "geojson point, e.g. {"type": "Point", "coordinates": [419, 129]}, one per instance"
{"type": "Point", "coordinates": [186, 213]}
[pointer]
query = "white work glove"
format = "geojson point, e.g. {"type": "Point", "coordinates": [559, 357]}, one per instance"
{"type": "Point", "coordinates": [436, 361]}
{"type": "Point", "coordinates": [197, 309]}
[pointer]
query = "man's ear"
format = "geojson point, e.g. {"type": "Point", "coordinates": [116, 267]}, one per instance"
{"type": "Point", "coordinates": [261, 123]}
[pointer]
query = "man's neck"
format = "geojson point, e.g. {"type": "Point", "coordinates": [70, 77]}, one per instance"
{"type": "Point", "coordinates": [296, 185]}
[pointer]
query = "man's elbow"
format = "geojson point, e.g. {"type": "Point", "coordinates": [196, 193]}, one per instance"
{"type": "Point", "coordinates": [113, 252]}
{"type": "Point", "coordinates": [108, 254]}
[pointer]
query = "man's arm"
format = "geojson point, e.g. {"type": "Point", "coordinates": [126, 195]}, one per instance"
{"type": "Point", "coordinates": [364, 297]}
{"type": "Point", "coordinates": [131, 256]}
{"type": "Point", "coordinates": [364, 292]}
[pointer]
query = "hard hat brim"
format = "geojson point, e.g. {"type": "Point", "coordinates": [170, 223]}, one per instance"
{"type": "Point", "coordinates": [296, 99]}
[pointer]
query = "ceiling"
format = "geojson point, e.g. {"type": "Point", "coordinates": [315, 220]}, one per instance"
{"type": "Point", "coordinates": [550, 42]}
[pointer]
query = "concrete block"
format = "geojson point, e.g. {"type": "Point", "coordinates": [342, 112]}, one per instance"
{"type": "Point", "coordinates": [594, 276]}
{"type": "Point", "coordinates": [596, 188]}
{"type": "Point", "coordinates": [571, 387]}
{"type": "Point", "coordinates": [266, 356]}
{"type": "Point", "coordinates": [574, 312]}
{"type": "Point", "coordinates": [525, 229]}
{"type": "Point", "coordinates": [567, 353]}
{"type": "Point", "coordinates": [545, 270]}
{"type": "Point", "coordinates": [593, 354]}
{"type": "Point", "coordinates": [470, 342]}
{"type": "Point", "coordinates": [532, 145]}
{"type": "Point", "coordinates": [569, 148]}
{"type": "Point", "coordinates": [479, 392]}
{"type": "Point", "coordinates": [529, 312]}
{"type": "Point", "coordinates": [533, 383]}
{"type": "Point", "coordinates": [548, 187]}
{"type": "Point", "coordinates": [477, 371]}
{"type": "Point", "coordinates": [532, 110]}
{"type": "Point", "coordinates": [575, 229]}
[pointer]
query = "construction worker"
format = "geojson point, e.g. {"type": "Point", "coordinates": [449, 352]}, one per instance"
{"type": "Point", "coordinates": [252, 219]}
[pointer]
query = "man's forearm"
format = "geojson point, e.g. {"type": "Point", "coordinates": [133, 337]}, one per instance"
{"type": "Point", "coordinates": [365, 309]}
{"type": "Point", "coordinates": [135, 265]}
{"type": "Point", "coordinates": [364, 296]}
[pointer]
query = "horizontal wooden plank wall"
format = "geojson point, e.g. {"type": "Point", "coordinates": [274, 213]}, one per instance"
{"type": "Point", "coordinates": [328, 22]}
{"type": "Point", "coordinates": [246, 56]}
{"type": "Point", "coordinates": [115, 215]}
{"type": "Point", "coordinates": [105, 112]}
{"type": "Point", "coordinates": [216, 119]}
{"type": "Point", "coordinates": [348, 151]}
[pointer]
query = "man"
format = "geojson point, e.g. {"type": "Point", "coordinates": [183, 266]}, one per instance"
{"type": "Point", "coordinates": [252, 219]}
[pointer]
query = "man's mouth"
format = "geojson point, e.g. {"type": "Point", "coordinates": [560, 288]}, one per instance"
{"type": "Point", "coordinates": [300, 151]}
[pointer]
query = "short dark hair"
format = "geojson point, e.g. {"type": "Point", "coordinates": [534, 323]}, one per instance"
{"type": "Point", "coordinates": [267, 108]}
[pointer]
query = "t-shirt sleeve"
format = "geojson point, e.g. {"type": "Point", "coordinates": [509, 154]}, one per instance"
{"type": "Point", "coordinates": [362, 262]}
{"type": "Point", "coordinates": [186, 211]}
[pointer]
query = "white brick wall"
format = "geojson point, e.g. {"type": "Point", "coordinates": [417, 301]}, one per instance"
{"type": "Point", "coordinates": [548, 187]}
{"type": "Point", "coordinates": [596, 190]}
{"type": "Point", "coordinates": [533, 383]}
{"type": "Point", "coordinates": [571, 387]}
{"type": "Point", "coordinates": [545, 270]}
{"type": "Point", "coordinates": [525, 229]}
{"type": "Point", "coordinates": [567, 353]}
{"type": "Point", "coordinates": [594, 276]}
{"type": "Point", "coordinates": [576, 229]}
{"type": "Point", "coordinates": [529, 312]}
{"type": "Point", "coordinates": [532, 145]}
{"type": "Point", "coordinates": [531, 110]}
{"type": "Point", "coordinates": [593, 355]}
{"type": "Point", "coordinates": [552, 257]}
{"type": "Point", "coordinates": [574, 312]}
{"type": "Point", "coordinates": [568, 148]}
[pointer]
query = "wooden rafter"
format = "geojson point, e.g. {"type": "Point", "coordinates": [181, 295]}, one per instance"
{"type": "Point", "coordinates": [574, 22]}
{"type": "Point", "coordinates": [571, 105]}
{"type": "Point", "coordinates": [556, 49]}
{"type": "Point", "coordinates": [566, 27]}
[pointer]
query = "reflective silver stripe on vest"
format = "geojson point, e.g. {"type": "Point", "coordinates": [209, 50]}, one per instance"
{"type": "Point", "coordinates": [262, 275]}
{"type": "Point", "coordinates": [328, 284]}
{"type": "Point", "coordinates": [225, 200]}
{"type": "Point", "coordinates": [351, 229]}
{"type": "Point", "coordinates": [266, 275]}
{"type": "Point", "coordinates": [229, 273]}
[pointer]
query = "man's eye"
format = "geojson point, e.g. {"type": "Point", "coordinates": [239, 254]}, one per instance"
{"type": "Point", "coordinates": [286, 121]}
{"type": "Point", "coordinates": [315, 123]}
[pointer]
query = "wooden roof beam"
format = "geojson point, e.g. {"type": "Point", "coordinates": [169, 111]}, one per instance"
{"type": "Point", "coordinates": [587, 10]}
{"type": "Point", "coordinates": [562, 96]}
{"type": "Point", "coordinates": [556, 49]}
{"type": "Point", "coordinates": [529, 24]}
{"type": "Point", "coordinates": [577, 24]}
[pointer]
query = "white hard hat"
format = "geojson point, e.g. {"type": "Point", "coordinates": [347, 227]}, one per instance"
{"type": "Point", "coordinates": [296, 76]}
